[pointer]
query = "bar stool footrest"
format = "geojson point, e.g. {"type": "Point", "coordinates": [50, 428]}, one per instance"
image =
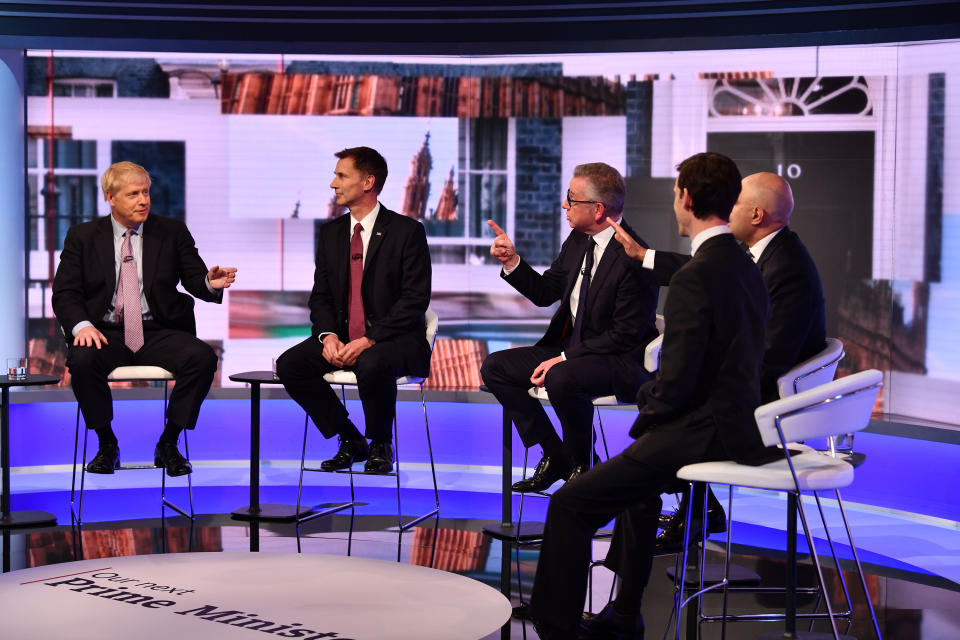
{"type": "Point", "coordinates": [739, 576]}
{"type": "Point", "coordinates": [529, 532]}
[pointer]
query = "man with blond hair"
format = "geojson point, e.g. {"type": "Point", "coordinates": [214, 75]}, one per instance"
{"type": "Point", "coordinates": [115, 295]}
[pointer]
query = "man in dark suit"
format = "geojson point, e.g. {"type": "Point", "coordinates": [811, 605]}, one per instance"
{"type": "Point", "coordinates": [699, 408]}
{"type": "Point", "coordinates": [115, 294]}
{"type": "Point", "coordinates": [796, 330]}
{"type": "Point", "coordinates": [595, 342]}
{"type": "Point", "coordinates": [371, 289]}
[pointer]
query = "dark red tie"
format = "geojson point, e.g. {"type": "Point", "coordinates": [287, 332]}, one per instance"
{"type": "Point", "coordinates": [357, 322]}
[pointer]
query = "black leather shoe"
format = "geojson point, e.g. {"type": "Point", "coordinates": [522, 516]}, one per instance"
{"type": "Point", "coordinates": [107, 460]}
{"type": "Point", "coordinates": [167, 456]}
{"type": "Point", "coordinates": [716, 518]}
{"type": "Point", "coordinates": [609, 624]}
{"type": "Point", "coordinates": [577, 471]}
{"type": "Point", "coordinates": [581, 468]}
{"type": "Point", "coordinates": [521, 611]}
{"type": "Point", "coordinates": [547, 632]}
{"type": "Point", "coordinates": [670, 539]}
{"type": "Point", "coordinates": [381, 458]}
{"type": "Point", "coordinates": [350, 451]}
{"type": "Point", "coordinates": [546, 473]}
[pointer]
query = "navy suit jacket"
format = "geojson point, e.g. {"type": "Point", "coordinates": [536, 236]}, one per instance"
{"type": "Point", "coordinates": [396, 285]}
{"type": "Point", "coordinates": [86, 276]}
{"type": "Point", "coordinates": [708, 382]}
{"type": "Point", "coordinates": [797, 327]}
{"type": "Point", "coordinates": [619, 311]}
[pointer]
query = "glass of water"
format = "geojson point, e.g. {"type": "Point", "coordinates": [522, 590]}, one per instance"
{"type": "Point", "coordinates": [17, 368]}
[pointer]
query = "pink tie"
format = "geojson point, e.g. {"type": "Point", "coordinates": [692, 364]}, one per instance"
{"type": "Point", "coordinates": [128, 297]}
{"type": "Point", "coordinates": [356, 317]}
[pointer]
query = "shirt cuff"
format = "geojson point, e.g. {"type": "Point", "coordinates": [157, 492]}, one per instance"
{"type": "Point", "coordinates": [648, 259]}
{"type": "Point", "coordinates": [83, 324]}
{"type": "Point", "coordinates": [323, 335]}
{"type": "Point", "coordinates": [206, 281]}
{"type": "Point", "coordinates": [507, 272]}
{"type": "Point", "coordinates": [563, 354]}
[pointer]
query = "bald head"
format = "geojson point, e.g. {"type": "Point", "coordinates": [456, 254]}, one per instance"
{"type": "Point", "coordinates": [772, 193]}
{"type": "Point", "coordinates": [765, 205]}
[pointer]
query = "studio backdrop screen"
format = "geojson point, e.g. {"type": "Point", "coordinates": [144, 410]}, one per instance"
{"type": "Point", "coordinates": [241, 147]}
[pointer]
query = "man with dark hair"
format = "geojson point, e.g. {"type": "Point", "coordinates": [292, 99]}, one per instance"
{"type": "Point", "coordinates": [699, 408]}
{"type": "Point", "coordinates": [371, 290]}
{"type": "Point", "coordinates": [115, 295]}
{"type": "Point", "coordinates": [595, 343]}
{"type": "Point", "coordinates": [796, 330]}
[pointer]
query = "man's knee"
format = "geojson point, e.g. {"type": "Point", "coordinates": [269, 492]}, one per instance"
{"type": "Point", "coordinates": [565, 498]}
{"type": "Point", "coordinates": [493, 366]}
{"type": "Point", "coordinates": [287, 365]}
{"type": "Point", "coordinates": [83, 360]}
{"type": "Point", "coordinates": [561, 381]}
{"type": "Point", "coordinates": [202, 356]}
{"type": "Point", "coordinates": [371, 365]}
{"type": "Point", "coordinates": [301, 361]}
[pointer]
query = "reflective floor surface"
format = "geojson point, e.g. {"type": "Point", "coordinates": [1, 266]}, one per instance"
{"type": "Point", "coordinates": [909, 605]}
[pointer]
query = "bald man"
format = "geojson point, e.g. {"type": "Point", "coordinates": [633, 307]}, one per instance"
{"type": "Point", "coordinates": [796, 329]}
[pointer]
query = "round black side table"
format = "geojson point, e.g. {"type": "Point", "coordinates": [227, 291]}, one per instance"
{"type": "Point", "coordinates": [11, 519]}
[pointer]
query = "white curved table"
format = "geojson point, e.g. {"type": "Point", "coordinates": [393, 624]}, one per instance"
{"type": "Point", "coordinates": [228, 595]}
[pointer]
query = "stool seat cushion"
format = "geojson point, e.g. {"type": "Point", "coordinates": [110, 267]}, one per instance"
{"type": "Point", "coordinates": [350, 378]}
{"type": "Point", "coordinates": [540, 393]}
{"type": "Point", "coordinates": [815, 471]}
{"type": "Point", "coordinates": [127, 374]}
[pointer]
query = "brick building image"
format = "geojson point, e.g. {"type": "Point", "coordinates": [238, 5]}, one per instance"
{"type": "Point", "coordinates": [240, 149]}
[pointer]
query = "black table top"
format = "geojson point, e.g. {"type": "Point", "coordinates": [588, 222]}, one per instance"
{"type": "Point", "coordinates": [33, 379]}
{"type": "Point", "coordinates": [262, 377]}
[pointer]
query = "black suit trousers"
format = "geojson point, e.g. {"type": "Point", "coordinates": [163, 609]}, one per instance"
{"type": "Point", "coordinates": [628, 487]}
{"type": "Point", "coordinates": [191, 360]}
{"type": "Point", "coordinates": [571, 385]}
{"type": "Point", "coordinates": [301, 369]}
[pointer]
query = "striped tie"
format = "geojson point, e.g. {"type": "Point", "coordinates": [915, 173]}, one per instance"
{"type": "Point", "coordinates": [128, 297]}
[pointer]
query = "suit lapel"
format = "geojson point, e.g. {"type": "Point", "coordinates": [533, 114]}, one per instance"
{"type": "Point", "coordinates": [152, 240]}
{"type": "Point", "coordinates": [339, 255]}
{"type": "Point", "coordinates": [611, 255]}
{"type": "Point", "coordinates": [378, 235]}
{"type": "Point", "coordinates": [771, 248]}
{"type": "Point", "coordinates": [106, 253]}
{"type": "Point", "coordinates": [580, 252]}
